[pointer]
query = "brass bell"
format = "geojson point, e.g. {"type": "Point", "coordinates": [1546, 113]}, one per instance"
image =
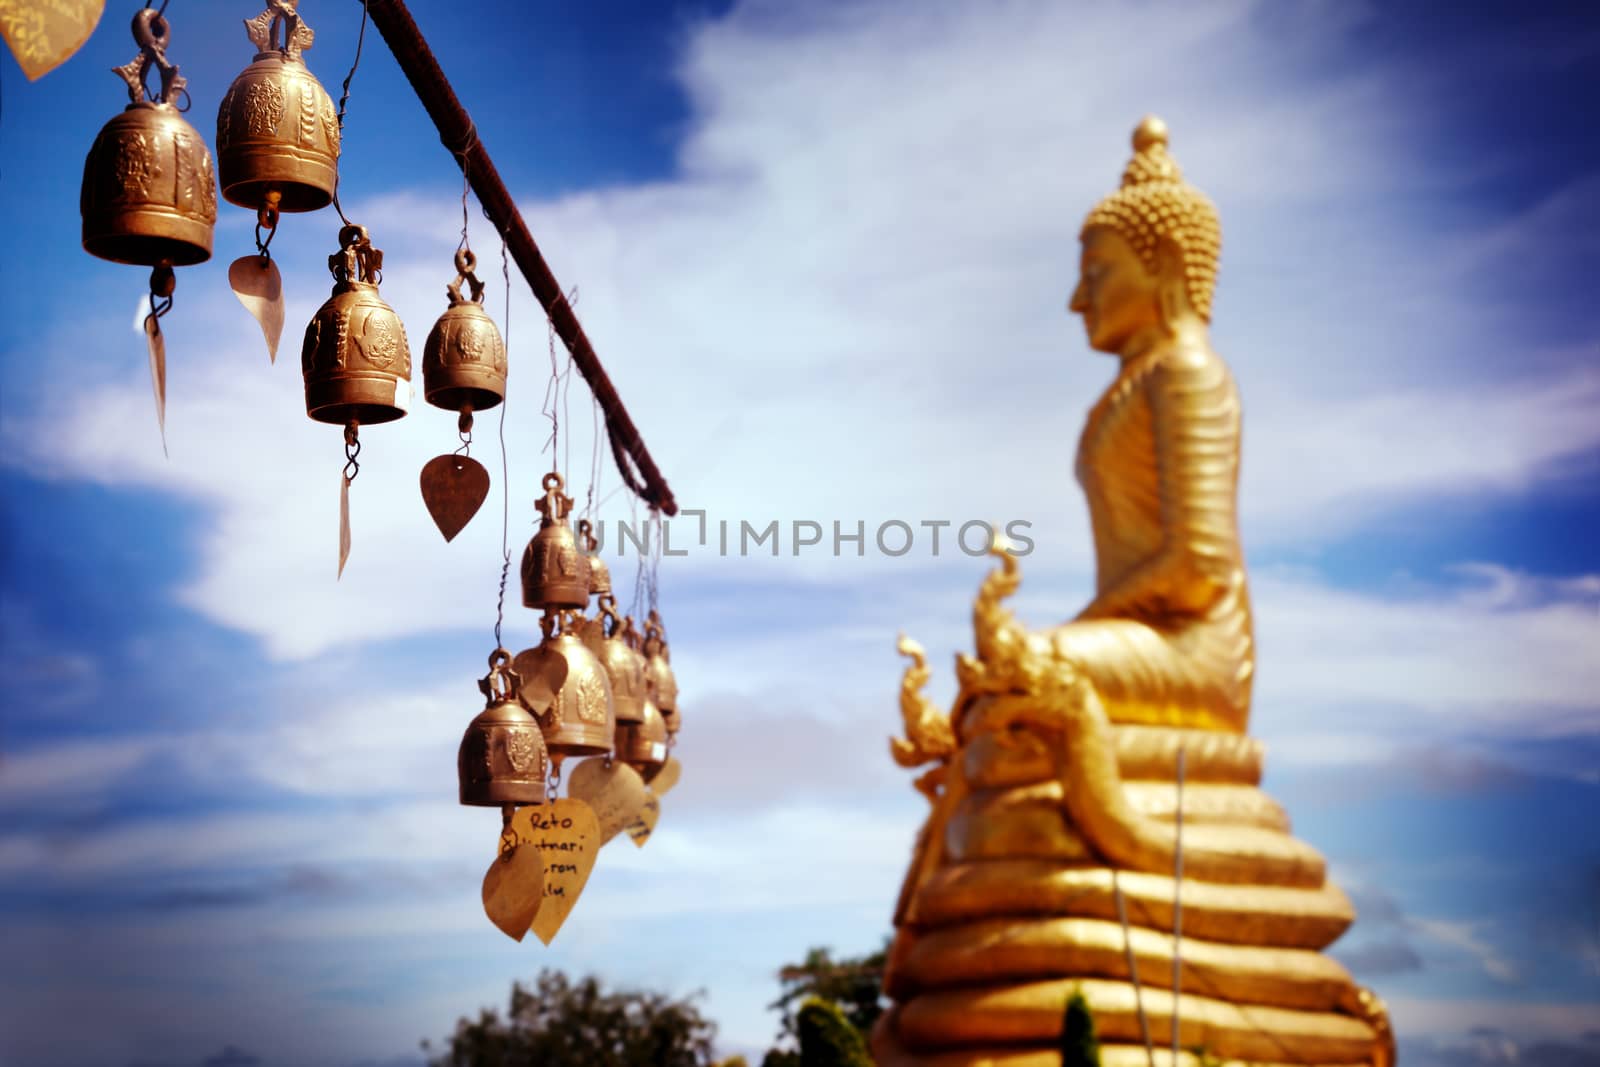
{"type": "Point", "coordinates": [662, 684]}
{"type": "Point", "coordinates": [149, 195]}
{"type": "Point", "coordinates": [554, 573]}
{"type": "Point", "coordinates": [464, 359]}
{"type": "Point", "coordinates": [356, 361]}
{"type": "Point", "coordinates": [599, 573]}
{"type": "Point", "coordinates": [643, 745]}
{"type": "Point", "coordinates": [623, 664]}
{"type": "Point", "coordinates": [578, 718]}
{"type": "Point", "coordinates": [502, 758]}
{"type": "Point", "coordinates": [277, 131]}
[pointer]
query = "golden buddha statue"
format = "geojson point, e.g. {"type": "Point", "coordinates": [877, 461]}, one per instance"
{"type": "Point", "coordinates": [1097, 823]}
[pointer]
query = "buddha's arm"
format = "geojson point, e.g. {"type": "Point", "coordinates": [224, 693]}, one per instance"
{"type": "Point", "coordinates": [1194, 421]}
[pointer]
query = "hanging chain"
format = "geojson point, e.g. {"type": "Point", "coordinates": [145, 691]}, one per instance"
{"type": "Point", "coordinates": [505, 477]}
{"type": "Point", "coordinates": [464, 431]}
{"type": "Point", "coordinates": [352, 449]}
{"type": "Point", "coordinates": [344, 100]}
{"type": "Point", "coordinates": [267, 215]}
{"type": "Point", "coordinates": [162, 284]}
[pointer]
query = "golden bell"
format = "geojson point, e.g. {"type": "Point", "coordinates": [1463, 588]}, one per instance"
{"type": "Point", "coordinates": [580, 720]}
{"type": "Point", "coordinates": [623, 664]}
{"type": "Point", "coordinates": [502, 758]}
{"type": "Point", "coordinates": [599, 573]}
{"type": "Point", "coordinates": [149, 195]}
{"type": "Point", "coordinates": [464, 359]}
{"type": "Point", "coordinates": [662, 684]}
{"type": "Point", "coordinates": [643, 745]}
{"type": "Point", "coordinates": [277, 132]}
{"type": "Point", "coordinates": [554, 573]}
{"type": "Point", "coordinates": [356, 361]}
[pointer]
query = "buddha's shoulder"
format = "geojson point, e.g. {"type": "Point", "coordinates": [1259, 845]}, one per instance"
{"type": "Point", "coordinates": [1185, 367]}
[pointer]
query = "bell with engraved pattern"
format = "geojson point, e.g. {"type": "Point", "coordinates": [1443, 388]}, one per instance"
{"type": "Point", "coordinates": [555, 574]}
{"type": "Point", "coordinates": [599, 573]}
{"type": "Point", "coordinates": [502, 758]}
{"type": "Point", "coordinates": [464, 359]}
{"type": "Point", "coordinates": [566, 686]}
{"type": "Point", "coordinates": [277, 131]}
{"type": "Point", "coordinates": [662, 683]}
{"type": "Point", "coordinates": [608, 637]}
{"type": "Point", "coordinates": [643, 745]}
{"type": "Point", "coordinates": [356, 360]}
{"type": "Point", "coordinates": [149, 196]}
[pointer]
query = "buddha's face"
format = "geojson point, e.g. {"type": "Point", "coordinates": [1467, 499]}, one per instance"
{"type": "Point", "coordinates": [1116, 296]}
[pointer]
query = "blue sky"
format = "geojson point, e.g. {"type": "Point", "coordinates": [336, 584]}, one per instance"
{"type": "Point", "coordinates": [824, 251]}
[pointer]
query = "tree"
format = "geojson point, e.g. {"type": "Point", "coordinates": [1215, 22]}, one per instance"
{"type": "Point", "coordinates": [854, 984]}
{"type": "Point", "coordinates": [828, 1038]}
{"type": "Point", "coordinates": [560, 1023]}
{"type": "Point", "coordinates": [1079, 1046]}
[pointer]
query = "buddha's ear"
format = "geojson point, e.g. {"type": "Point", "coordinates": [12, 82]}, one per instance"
{"type": "Point", "coordinates": [1172, 288]}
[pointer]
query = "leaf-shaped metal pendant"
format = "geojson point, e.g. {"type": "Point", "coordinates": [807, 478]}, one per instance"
{"type": "Point", "coordinates": [567, 834]}
{"type": "Point", "coordinates": [644, 824]}
{"type": "Point", "coordinates": [453, 488]}
{"type": "Point", "coordinates": [344, 522]}
{"type": "Point", "coordinates": [259, 287]}
{"type": "Point", "coordinates": [513, 889]}
{"type": "Point", "coordinates": [543, 671]}
{"type": "Point", "coordinates": [44, 36]}
{"type": "Point", "coordinates": [613, 789]}
{"type": "Point", "coordinates": [666, 777]}
{"type": "Point", "coordinates": [157, 347]}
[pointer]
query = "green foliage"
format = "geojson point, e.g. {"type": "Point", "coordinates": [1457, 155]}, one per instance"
{"type": "Point", "coordinates": [776, 1057]}
{"type": "Point", "coordinates": [1079, 1046]}
{"type": "Point", "coordinates": [734, 1061]}
{"type": "Point", "coordinates": [828, 1038]}
{"type": "Point", "coordinates": [854, 984]}
{"type": "Point", "coordinates": [560, 1023]}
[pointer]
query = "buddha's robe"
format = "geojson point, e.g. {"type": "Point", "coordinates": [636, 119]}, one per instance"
{"type": "Point", "coordinates": [1167, 638]}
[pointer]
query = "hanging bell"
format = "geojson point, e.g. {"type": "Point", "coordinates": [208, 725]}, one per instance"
{"type": "Point", "coordinates": [643, 745]}
{"type": "Point", "coordinates": [662, 684]}
{"type": "Point", "coordinates": [623, 664]}
{"type": "Point", "coordinates": [356, 360]}
{"type": "Point", "coordinates": [149, 195]}
{"type": "Point", "coordinates": [599, 573]}
{"type": "Point", "coordinates": [579, 719]}
{"type": "Point", "coordinates": [554, 573]}
{"type": "Point", "coordinates": [502, 758]}
{"type": "Point", "coordinates": [277, 131]}
{"type": "Point", "coordinates": [464, 359]}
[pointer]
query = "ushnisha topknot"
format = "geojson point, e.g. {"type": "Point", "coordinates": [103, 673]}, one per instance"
{"type": "Point", "coordinates": [1155, 202]}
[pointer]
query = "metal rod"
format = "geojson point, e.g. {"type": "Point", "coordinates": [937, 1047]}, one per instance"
{"type": "Point", "coordinates": [1177, 910]}
{"type": "Point", "coordinates": [460, 136]}
{"type": "Point", "coordinates": [1133, 968]}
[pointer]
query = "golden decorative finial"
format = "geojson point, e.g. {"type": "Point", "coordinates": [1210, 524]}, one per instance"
{"type": "Point", "coordinates": [1154, 204]}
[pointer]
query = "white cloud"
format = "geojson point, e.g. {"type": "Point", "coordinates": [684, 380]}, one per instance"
{"type": "Point", "coordinates": [849, 304]}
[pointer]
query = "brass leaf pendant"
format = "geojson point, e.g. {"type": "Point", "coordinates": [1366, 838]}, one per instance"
{"type": "Point", "coordinates": [259, 287]}
{"type": "Point", "coordinates": [567, 834]}
{"type": "Point", "coordinates": [543, 671]}
{"type": "Point", "coordinates": [157, 347]}
{"type": "Point", "coordinates": [513, 887]}
{"type": "Point", "coordinates": [453, 488]}
{"type": "Point", "coordinates": [615, 792]}
{"type": "Point", "coordinates": [344, 522]}
{"type": "Point", "coordinates": [645, 823]}
{"type": "Point", "coordinates": [44, 36]}
{"type": "Point", "coordinates": [667, 777]}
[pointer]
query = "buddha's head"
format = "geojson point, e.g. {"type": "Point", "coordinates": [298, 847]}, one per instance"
{"type": "Point", "coordinates": [1149, 251]}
